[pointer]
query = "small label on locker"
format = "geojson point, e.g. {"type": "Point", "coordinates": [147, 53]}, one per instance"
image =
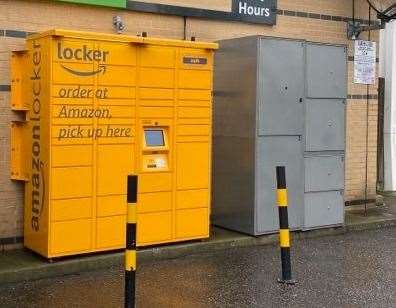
{"type": "Point", "coordinates": [195, 60]}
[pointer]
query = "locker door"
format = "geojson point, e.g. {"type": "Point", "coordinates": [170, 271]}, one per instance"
{"type": "Point", "coordinates": [323, 209]}
{"type": "Point", "coordinates": [280, 87]}
{"type": "Point", "coordinates": [326, 71]}
{"type": "Point", "coordinates": [325, 125]}
{"type": "Point", "coordinates": [272, 152]}
{"type": "Point", "coordinates": [324, 172]}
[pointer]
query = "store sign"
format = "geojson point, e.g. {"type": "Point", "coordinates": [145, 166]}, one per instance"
{"type": "Point", "coordinates": [113, 3]}
{"type": "Point", "coordinates": [365, 62]}
{"type": "Point", "coordinates": [255, 11]}
{"type": "Point", "coordinates": [251, 11]}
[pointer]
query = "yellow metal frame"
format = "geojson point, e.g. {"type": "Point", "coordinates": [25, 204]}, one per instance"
{"type": "Point", "coordinates": [19, 166]}
{"type": "Point", "coordinates": [19, 79]}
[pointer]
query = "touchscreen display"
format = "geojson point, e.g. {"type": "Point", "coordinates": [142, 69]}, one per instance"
{"type": "Point", "coordinates": [154, 138]}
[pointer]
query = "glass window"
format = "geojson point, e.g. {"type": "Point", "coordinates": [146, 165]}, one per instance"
{"type": "Point", "coordinates": [154, 138]}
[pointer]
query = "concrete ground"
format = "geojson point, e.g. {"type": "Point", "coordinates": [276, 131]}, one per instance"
{"type": "Point", "coordinates": [357, 269]}
{"type": "Point", "coordinates": [21, 265]}
{"type": "Point", "coordinates": [358, 214]}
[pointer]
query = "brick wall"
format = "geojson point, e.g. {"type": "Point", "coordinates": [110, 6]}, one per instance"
{"type": "Point", "coordinates": [35, 16]}
{"type": "Point", "coordinates": [221, 5]}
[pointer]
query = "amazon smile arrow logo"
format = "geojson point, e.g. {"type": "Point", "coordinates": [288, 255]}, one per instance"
{"type": "Point", "coordinates": [101, 69]}
{"type": "Point", "coordinates": [85, 53]}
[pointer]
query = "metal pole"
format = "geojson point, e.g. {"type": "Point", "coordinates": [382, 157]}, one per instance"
{"type": "Point", "coordinates": [284, 232]}
{"type": "Point", "coordinates": [130, 252]}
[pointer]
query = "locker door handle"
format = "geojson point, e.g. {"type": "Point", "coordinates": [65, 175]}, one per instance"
{"type": "Point", "coordinates": [300, 100]}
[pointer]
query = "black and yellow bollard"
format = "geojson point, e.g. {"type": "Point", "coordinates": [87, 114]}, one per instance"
{"type": "Point", "coordinates": [284, 232]}
{"type": "Point", "coordinates": [130, 252]}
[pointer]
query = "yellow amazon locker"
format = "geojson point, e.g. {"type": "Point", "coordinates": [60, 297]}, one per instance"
{"type": "Point", "coordinates": [99, 107]}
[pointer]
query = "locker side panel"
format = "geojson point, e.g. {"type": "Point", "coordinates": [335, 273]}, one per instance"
{"type": "Point", "coordinates": [37, 205]}
{"type": "Point", "coordinates": [234, 134]}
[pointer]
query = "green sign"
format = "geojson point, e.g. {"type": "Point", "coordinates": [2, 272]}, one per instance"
{"type": "Point", "coordinates": [113, 3]}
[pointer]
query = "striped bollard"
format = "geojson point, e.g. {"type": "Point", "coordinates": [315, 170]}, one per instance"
{"type": "Point", "coordinates": [284, 232]}
{"type": "Point", "coordinates": [130, 252]}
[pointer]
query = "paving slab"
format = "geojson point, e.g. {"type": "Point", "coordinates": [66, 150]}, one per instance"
{"type": "Point", "coordinates": [21, 265]}
{"type": "Point", "coordinates": [357, 269]}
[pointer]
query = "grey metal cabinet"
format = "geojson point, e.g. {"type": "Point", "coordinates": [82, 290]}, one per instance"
{"type": "Point", "coordinates": [278, 102]}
